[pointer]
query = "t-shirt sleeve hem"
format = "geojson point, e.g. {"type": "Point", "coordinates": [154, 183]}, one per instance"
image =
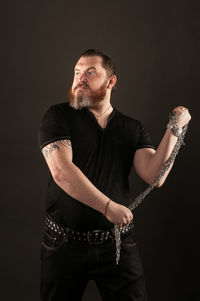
{"type": "Point", "coordinates": [145, 146]}
{"type": "Point", "coordinates": [54, 140]}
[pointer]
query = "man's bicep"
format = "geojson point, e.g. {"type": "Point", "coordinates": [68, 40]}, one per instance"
{"type": "Point", "coordinates": [141, 161]}
{"type": "Point", "coordinates": [57, 154]}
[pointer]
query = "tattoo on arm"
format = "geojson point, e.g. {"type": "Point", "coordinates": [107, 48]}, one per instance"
{"type": "Point", "coordinates": [47, 150]}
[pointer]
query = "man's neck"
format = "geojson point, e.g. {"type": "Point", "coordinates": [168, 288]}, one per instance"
{"type": "Point", "coordinates": [101, 109]}
{"type": "Point", "coordinates": [102, 113]}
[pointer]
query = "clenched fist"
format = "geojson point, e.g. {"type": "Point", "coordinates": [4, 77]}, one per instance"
{"type": "Point", "coordinates": [183, 115]}
{"type": "Point", "coordinates": [118, 214]}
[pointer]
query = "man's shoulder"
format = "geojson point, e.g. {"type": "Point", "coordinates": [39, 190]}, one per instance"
{"type": "Point", "coordinates": [127, 119]}
{"type": "Point", "coordinates": [63, 106]}
{"type": "Point", "coordinates": [59, 110]}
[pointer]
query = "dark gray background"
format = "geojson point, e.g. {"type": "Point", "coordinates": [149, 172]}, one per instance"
{"type": "Point", "coordinates": [156, 48]}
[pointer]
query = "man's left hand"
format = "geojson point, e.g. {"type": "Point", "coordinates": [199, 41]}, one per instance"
{"type": "Point", "coordinates": [183, 116]}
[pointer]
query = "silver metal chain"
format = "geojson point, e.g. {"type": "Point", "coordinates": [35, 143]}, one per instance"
{"type": "Point", "coordinates": [138, 200]}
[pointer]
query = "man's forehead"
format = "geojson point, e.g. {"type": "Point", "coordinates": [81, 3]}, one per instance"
{"type": "Point", "coordinates": [89, 61]}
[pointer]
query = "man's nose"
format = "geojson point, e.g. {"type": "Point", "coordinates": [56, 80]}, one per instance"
{"type": "Point", "coordinates": [83, 78]}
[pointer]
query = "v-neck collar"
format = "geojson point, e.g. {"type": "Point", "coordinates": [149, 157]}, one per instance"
{"type": "Point", "coordinates": [94, 118]}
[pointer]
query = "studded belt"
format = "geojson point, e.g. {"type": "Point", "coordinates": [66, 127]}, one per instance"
{"type": "Point", "coordinates": [91, 237]}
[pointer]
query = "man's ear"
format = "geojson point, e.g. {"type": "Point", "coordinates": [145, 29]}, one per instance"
{"type": "Point", "coordinates": [112, 81]}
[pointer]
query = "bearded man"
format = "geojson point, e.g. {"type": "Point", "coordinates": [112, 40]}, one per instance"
{"type": "Point", "coordinates": [90, 148]}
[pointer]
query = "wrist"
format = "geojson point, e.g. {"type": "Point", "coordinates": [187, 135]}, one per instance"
{"type": "Point", "coordinates": [175, 129]}
{"type": "Point", "coordinates": [106, 208]}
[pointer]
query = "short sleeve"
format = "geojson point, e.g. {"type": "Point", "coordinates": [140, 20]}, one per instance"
{"type": "Point", "coordinates": [54, 126]}
{"type": "Point", "coordinates": [144, 139]}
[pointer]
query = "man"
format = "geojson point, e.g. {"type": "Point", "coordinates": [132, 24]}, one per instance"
{"type": "Point", "coordinates": [90, 148]}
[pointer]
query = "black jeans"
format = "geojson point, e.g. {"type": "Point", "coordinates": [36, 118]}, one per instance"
{"type": "Point", "coordinates": [67, 267]}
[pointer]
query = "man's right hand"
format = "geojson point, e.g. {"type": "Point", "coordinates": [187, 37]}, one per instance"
{"type": "Point", "coordinates": [118, 214]}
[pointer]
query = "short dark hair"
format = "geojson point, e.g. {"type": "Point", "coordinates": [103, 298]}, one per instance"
{"type": "Point", "coordinates": [107, 61]}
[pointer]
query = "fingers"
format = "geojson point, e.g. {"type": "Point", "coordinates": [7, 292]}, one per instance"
{"type": "Point", "coordinates": [183, 115]}
{"type": "Point", "coordinates": [119, 214]}
{"type": "Point", "coordinates": [126, 220]}
{"type": "Point", "coordinates": [182, 110]}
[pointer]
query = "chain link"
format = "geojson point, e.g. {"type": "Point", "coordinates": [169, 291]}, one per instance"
{"type": "Point", "coordinates": [138, 200]}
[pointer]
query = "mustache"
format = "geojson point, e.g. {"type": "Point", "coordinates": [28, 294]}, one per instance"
{"type": "Point", "coordinates": [81, 85]}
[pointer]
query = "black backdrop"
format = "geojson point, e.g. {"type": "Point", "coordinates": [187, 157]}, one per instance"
{"type": "Point", "coordinates": [156, 48]}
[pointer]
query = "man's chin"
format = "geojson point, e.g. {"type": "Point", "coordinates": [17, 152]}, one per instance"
{"type": "Point", "coordinates": [80, 103]}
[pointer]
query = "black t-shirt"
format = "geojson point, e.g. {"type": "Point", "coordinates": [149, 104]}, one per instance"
{"type": "Point", "coordinates": [105, 156]}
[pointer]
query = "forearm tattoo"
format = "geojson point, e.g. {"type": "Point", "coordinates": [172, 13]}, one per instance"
{"type": "Point", "coordinates": [48, 149]}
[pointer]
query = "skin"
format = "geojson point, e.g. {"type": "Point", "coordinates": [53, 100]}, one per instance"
{"type": "Point", "coordinates": [89, 71]}
{"type": "Point", "coordinates": [90, 75]}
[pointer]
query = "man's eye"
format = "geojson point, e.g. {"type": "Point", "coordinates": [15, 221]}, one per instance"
{"type": "Point", "coordinates": [91, 73]}
{"type": "Point", "coordinates": [77, 73]}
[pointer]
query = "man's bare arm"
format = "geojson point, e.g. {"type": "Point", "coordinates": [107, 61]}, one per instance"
{"type": "Point", "coordinates": [55, 146]}
{"type": "Point", "coordinates": [71, 179]}
{"type": "Point", "coordinates": [149, 163]}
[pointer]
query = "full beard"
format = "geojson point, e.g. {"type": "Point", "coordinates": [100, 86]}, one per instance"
{"type": "Point", "coordinates": [80, 101]}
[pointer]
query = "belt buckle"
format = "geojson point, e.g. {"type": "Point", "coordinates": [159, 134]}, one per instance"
{"type": "Point", "coordinates": [92, 242]}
